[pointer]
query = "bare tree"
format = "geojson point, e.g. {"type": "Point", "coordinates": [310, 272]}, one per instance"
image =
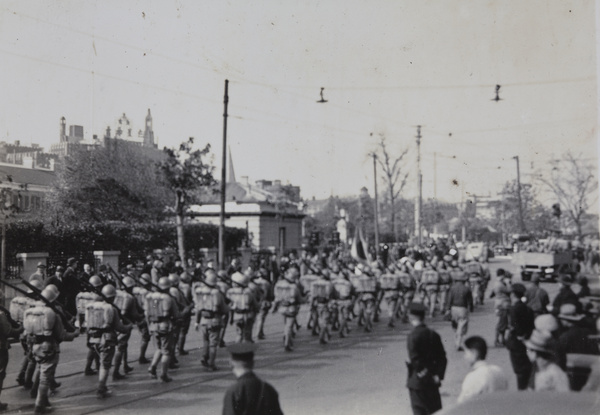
{"type": "Point", "coordinates": [573, 183]}
{"type": "Point", "coordinates": [394, 176]}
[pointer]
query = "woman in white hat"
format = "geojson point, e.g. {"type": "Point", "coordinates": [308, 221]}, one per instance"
{"type": "Point", "coordinates": [545, 374]}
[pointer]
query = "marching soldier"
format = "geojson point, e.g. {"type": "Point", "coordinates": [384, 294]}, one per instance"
{"type": "Point", "coordinates": [444, 287]}
{"type": "Point", "coordinates": [366, 288]}
{"type": "Point", "coordinates": [185, 290]}
{"type": "Point", "coordinates": [17, 309]}
{"type": "Point", "coordinates": [343, 292]}
{"type": "Point", "coordinates": [103, 324]}
{"type": "Point", "coordinates": [474, 272]}
{"type": "Point", "coordinates": [48, 332]}
{"type": "Point", "coordinates": [210, 308]}
{"type": "Point", "coordinates": [7, 331]}
{"type": "Point", "coordinates": [430, 281]}
{"type": "Point", "coordinates": [408, 286]}
{"type": "Point", "coordinates": [185, 310]}
{"type": "Point", "coordinates": [321, 291]}
{"type": "Point", "coordinates": [243, 307]}
{"type": "Point", "coordinates": [161, 313]}
{"type": "Point", "coordinates": [266, 300]}
{"type": "Point", "coordinates": [139, 293]}
{"type": "Point", "coordinates": [128, 307]}
{"type": "Point", "coordinates": [223, 284]}
{"type": "Point", "coordinates": [390, 285]}
{"type": "Point", "coordinates": [306, 281]}
{"type": "Point", "coordinates": [83, 300]}
{"type": "Point", "coordinates": [287, 295]}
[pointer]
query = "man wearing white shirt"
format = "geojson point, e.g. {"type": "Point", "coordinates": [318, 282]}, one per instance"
{"type": "Point", "coordinates": [483, 377]}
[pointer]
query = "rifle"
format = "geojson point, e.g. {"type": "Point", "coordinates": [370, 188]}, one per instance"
{"type": "Point", "coordinates": [114, 274]}
{"type": "Point", "coordinates": [13, 323]}
{"type": "Point", "coordinates": [105, 298]}
{"type": "Point", "coordinates": [37, 295]}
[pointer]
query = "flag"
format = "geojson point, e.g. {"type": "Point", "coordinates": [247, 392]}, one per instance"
{"type": "Point", "coordinates": [360, 247]}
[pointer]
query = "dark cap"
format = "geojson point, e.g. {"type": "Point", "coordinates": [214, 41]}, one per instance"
{"type": "Point", "coordinates": [566, 279]}
{"type": "Point", "coordinates": [518, 289]}
{"type": "Point", "coordinates": [102, 268]}
{"type": "Point", "coordinates": [418, 309]}
{"type": "Point", "coordinates": [535, 278]}
{"type": "Point", "coordinates": [41, 265]}
{"type": "Point", "coordinates": [71, 261]}
{"type": "Point", "coordinates": [60, 268]}
{"type": "Point", "coordinates": [242, 351]}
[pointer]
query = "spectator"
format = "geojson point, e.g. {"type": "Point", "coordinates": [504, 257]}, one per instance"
{"type": "Point", "coordinates": [546, 376]}
{"type": "Point", "coordinates": [39, 274]}
{"type": "Point", "coordinates": [537, 297]}
{"type": "Point", "coordinates": [520, 327]}
{"type": "Point", "coordinates": [501, 295]}
{"type": "Point", "coordinates": [584, 291]}
{"type": "Point", "coordinates": [565, 295]}
{"type": "Point", "coordinates": [458, 304]}
{"type": "Point", "coordinates": [483, 377]}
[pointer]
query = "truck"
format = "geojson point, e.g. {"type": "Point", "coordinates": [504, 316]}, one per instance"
{"type": "Point", "coordinates": [550, 265]}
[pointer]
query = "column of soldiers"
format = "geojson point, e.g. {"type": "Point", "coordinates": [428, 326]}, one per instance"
{"type": "Point", "coordinates": [161, 301]}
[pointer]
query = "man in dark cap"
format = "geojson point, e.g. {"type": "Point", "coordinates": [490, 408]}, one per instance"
{"type": "Point", "coordinates": [71, 286]}
{"type": "Point", "coordinates": [565, 295]}
{"type": "Point", "coordinates": [520, 326]}
{"type": "Point", "coordinates": [249, 395]}
{"type": "Point", "coordinates": [537, 297]}
{"type": "Point", "coordinates": [427, 364]}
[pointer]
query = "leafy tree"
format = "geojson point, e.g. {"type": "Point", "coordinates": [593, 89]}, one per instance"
{"type": "Point", "coordinates": [189, 176]}
{"type": "Point", "coordinates": [574, 184]}
{"type": "Point", "coordinates": [107, 184]}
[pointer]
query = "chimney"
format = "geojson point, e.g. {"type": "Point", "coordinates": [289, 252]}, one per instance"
{"type": "Point", "coordinates": [63, 129]}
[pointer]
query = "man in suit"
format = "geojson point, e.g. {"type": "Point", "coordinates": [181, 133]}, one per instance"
{"type": "Point", "coordinates": [427, 364]}
{"type": "Point", "coordinates": [249, 395]}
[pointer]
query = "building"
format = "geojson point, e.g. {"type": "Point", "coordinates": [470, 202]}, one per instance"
{"type": "Point", "coordinates": [27, 184]}
{"type": "Point", "coordinates": [271, 214]}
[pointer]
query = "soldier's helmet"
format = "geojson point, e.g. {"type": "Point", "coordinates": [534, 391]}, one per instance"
{"type": "Point", "coordinates": [211, 278]}
{"type": "Point", "coordinates": [292, 274]}
{"type": "Point", "coordinates": [238, 278]}
{"type": "Point", "coordinates": [95, 281]}
{"type": "Point", "coordinates": [173, 279]}
{"type": "Point", "coordinates": [109, 291]}
{"type": "Point", "coordinates": [37, 284]}
{"type": "Point", "coordinates": [128, 282]}
{"type": "Point", "coordinates": [185, 277]}
{"type": "Point", "coordinates": [145, 278]}
{"type": "Point", "coordinates": [50, 293]}
{"type": "Point", "coordinates": [163, 283]}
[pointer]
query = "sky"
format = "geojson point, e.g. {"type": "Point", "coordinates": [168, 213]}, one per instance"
{"type": "Point", "coordinates": [386, 66]}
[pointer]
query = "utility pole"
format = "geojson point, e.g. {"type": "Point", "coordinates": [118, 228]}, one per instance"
{"type": "Point", "coordinates": [435, 175]}
{"type": "Point", "coordinates": [521, 223]}
{"type": "Point", "coordinates": [376, 208]}
{"type": "Point", "coordinates": [223, 181]}
{"type": "Point", "coordinates": [419, 201]}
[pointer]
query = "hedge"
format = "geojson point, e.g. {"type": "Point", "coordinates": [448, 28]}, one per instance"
{"type": "Point", "coordinates": [28, 236]}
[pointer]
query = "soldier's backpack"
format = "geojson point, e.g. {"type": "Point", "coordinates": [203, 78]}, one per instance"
{"type": "Point", "coordinates": [367, 284]}
{"type": "Point", "coordinates": [241, 299]}
{"type": "Point", "coordinates": [389, 282]}
{"type": "Point", "coordinates": [320, 289]}
{"type": "Point", "coordinates": [139, 294]}
{"type": "Point", "coordinates": [406, 281]}
{"type": "Point", "coordinates": [473, 268]}
{"type": "Point", "coordinates": [430, 277]}
{"type": "Point", "coordinates": [157, 307]}
{"type": "Point", "coordinates": [306, 281]}
{"type": "Point", "coordinates": [18, 306]}
{"type": "Point", "coordinates": [343, 288]}
{"type": "Point", "coordinates": [39, 321]}
{"type": "Point", "coordinates": [285, 294]}
{"type": "Point", "coordinates": [99, 315]}
{"type": "Point", "coordinates": [206, 299]}
{"type": "Point", "coordinates": [84, 299]}
{"type": "Point", "coordinates": [444, 277]}
{"type": "Point", "coordinates": [123, 301]}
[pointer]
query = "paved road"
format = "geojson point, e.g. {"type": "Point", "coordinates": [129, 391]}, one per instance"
{"type": "Point", "coordinates": [362, 374]}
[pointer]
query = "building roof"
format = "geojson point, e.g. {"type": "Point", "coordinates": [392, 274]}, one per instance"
{"type": "Point", "coordinates": [24, 175]}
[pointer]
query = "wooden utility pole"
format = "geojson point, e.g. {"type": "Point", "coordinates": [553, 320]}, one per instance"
{"type": "Point", "coordinates": [419, 199]}
{"type": "Point", "coordinates": [223, 181]}
{"type": "Point", "coordinates": [521, 222]}
{"type": "Point", "coordinates": [376, 207]}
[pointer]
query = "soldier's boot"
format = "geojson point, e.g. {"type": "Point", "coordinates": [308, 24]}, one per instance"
{"type": "Point", "coordinates": [88, 363]}
{"type": "Point", "coordinates": [118, 359]}
{"type": "Point", "coordinates": [29, 374]}
{"type": "Point", "coordinates": [126, 367]}
{"type": "Point", "coordinates": [23, 369]}
{"type": "Point", "coordinates": [164, 369]}
{"type": "Point", "coordinates": [181, 344]}
{"type": "Point", "coordinates": [155, 360]}
{"type": "Point", "coordinates": [35, 387]}
{"type": "Point", "coordinates": [142, 359]}
{"type": "Point", "coordinates": [102, 391]}
{"type": "Point", "coordinates": [41, 399]}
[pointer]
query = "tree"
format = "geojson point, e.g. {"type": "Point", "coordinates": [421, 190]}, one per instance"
{"type": "Point", "coordinates": [189, 175]}
{"type": "Point", "coordinates": [106, 184]}
{"type": "Point", "coordinates": [573, 182]}
{"type": "Point", "coordinates": [394, 177]}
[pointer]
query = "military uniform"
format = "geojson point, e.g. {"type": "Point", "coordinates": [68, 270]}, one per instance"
{"type": "Point", "coordinates": [139, 293]}
{"type": "Point", "coordinates": [243, 306]}
{"type": "Point", "coordinates": [430, 281]}
{"type": "Point", "coordinates": [128, 307]}
{"type": "Point", "coordinates": [366, 289]}
{"type": "Point", "coordinates": [287, 297]}
{"type": "Point", "coordinates": [343, 293]}
{"type": "Point", "coordinates": [266, 299]}
{"type": "Point", "coordinates": [161, 313]}
{"type": "Point", "coordinates": [426, 368]}
{"type": "Point", "coordinates": [321, 292]}
{"type": "Point", "coordinates": [210, 308]}
{"type": "Point", "coordinates": [390, 285]}
{"type": "Point", "coordinates": [17, 308]}
{"type": "Point", "coordinates": [6, 332]}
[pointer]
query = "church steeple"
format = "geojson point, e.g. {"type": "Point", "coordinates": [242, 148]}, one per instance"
{"type": "Point", "coordinates": [149, 132]}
